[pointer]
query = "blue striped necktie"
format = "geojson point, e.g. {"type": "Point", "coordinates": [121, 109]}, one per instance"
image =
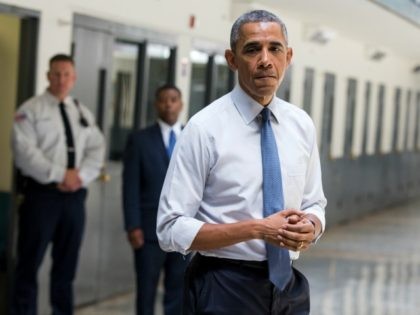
{"type": "Point", "coordinates": [278, 258]}
{"type": "Point", "coordinates": [171, 144]}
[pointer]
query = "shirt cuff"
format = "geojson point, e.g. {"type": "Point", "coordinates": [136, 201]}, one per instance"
{"type": "Point", "coordinates": [320, 214]}
{"type": "Point", "coordinates": [182, 234]}
{"type": "Point", "coordinates": [87, 176]}
{"type": "Point", "coordinates": [58, 173]}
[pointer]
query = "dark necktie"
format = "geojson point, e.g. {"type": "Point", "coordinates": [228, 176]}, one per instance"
{"type": "Point", "coordinates": [273, 201]}
{"type": "Point", "coordinates": [171, 144]}
{"type": "Point", "coordinates": [71, 153]}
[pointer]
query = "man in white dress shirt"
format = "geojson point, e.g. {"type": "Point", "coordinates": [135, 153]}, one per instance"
{"type": "Point", "coordinates": [214, 196]}
{"type": "Point", "coordinates": [60, 150]}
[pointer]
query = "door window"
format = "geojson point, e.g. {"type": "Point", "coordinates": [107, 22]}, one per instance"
{"type": "Point", "coordinates": [159, 68]}
{"type": "Point", "coordinates": [124, 76]}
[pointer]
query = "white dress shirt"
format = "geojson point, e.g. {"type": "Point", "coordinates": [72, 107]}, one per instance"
{"type": "Point", "coordinates": [165, 129]}
{"type": "Point", "coordinates": [39, 140]}
{"type": "Point", "coordinates": [215, 174]}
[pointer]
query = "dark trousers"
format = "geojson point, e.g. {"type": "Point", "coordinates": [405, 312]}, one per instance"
{"type": "Point", "coordinates": [216, 286]}
{"type": "Point", "coordinates": [149, 261]}
{"type": "Point", "coordinates": [45, 216]}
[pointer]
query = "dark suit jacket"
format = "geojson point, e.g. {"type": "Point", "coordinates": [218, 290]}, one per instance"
{"type": "Point", "coordinates": [145, 165]}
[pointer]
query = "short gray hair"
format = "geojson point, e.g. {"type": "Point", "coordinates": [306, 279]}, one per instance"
{"type": "Point", "coordinates": [254, 16]}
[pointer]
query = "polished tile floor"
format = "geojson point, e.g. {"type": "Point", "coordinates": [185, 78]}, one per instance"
{"type": "Point", "coordinates": [366, 267]}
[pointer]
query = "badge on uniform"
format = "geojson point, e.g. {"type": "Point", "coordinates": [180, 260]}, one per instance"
{"type": "Point", "coordinates": [19, 117]}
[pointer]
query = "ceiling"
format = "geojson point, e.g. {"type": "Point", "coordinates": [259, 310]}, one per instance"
{"type": "Point", "coordinates": [361, 20]}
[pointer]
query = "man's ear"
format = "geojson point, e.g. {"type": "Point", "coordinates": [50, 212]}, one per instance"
{"type": "Point", "coordinates": [289, 55]}
{"type": "Point", "coordinates": [230, 59]}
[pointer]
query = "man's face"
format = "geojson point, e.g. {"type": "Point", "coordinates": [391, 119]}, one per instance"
{"type": "Point", "coordinates": [261, 57]}
{"type": "Point", "coordinates": [169, 105]}
{"type": "Point", "coordinates": [62, 77]}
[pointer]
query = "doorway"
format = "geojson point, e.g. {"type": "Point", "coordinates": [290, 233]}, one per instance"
{"type": "Point", "coordinates": [18, 41]}
{"type": "Point", "coordinates": [119, 68]}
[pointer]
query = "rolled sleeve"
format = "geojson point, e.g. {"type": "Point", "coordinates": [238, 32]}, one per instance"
{"type": "Point", "coordinates": [182, 234]}
{"type": "Point", "coordinates": [182, 191]}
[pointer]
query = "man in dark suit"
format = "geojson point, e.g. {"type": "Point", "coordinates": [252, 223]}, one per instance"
{"type": "Point", "coordinates": [146, 160]}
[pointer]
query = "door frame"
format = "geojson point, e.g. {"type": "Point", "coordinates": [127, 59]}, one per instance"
{"type": "Point", "coordinates": [27, 64]}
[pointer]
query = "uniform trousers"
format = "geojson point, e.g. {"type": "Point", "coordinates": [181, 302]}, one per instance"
{"type": "Point", "coordinates": [150, 260]}
{"type": "Point", "coordinates": [218, 286]}
{"type": "Point", "coordinates": [48, 216]}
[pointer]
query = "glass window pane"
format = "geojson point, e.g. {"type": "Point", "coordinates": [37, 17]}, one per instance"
{"type": "Point", "coordinates": [199, 61]}
{"type": "Point", "coordinates": [284, 90]}
{"type": "Point", "coordinates": [222, 76]}
{"type": "Point", "coordinates": [308, 89]}
{"type": "Point", "coordinates": [351, 105]}
{"type": "Point", "coordinates": [397, 104]}
{"type": "Point", "coordinates": [158, 57]}
{"type": "Point", "coordinates": [124, 85]}
{"type": "Point", "coordinates": [327, 115]}
{"type": "Point", "coordinates": [381, 100]}
{"type": "Point", "coordinates": [366, 121]}
{"type": "Point", "coordinates": [407, 121]}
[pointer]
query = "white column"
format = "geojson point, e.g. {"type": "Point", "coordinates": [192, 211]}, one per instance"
{"type": "Point", "coordinates": [359, 119]}
{"type": "Point", "coordinates": [411, 121]}
{"type": "Point", "coordinates": [373, 118]}
{"type": "Point", "coordinates": [296, 91]}
{"type": "Point", "coordinates": [388, 119]}
{"type": "Point", "coordinates": [55, 36]}
{"type": "Point", "coordinates": [402, 124]}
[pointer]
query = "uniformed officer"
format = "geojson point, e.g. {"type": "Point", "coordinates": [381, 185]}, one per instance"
{"type": "Point", "coordinates": [60, 150]}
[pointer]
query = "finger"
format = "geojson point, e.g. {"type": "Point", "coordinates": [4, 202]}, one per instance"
{"type": "Point", "coordinates": [293, 219]}
{"type": "Point", "coordinates": [290, 212]}
{"type": "Point", "coordinates": [298, 227]}
{"type": "Point", "coordinates": [294, 237]}
{"type": "Point", "coordinates": [294, 245]}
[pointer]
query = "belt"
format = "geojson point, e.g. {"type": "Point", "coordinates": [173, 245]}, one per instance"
{"type": "Point", "coordinates": [33, 184]}
{"type": "Point", "coordinates": [217, 261]}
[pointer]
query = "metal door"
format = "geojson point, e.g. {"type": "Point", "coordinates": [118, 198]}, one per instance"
{"type": "Point", "coordinates": [118, 72]}
{"type": "Point", "coordinates": [105, 260]}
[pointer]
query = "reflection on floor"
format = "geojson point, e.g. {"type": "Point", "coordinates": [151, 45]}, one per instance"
{"type": "Point", "coordinates": [366, 267]}
{"type": "Point", "coordinates": [120, 305]}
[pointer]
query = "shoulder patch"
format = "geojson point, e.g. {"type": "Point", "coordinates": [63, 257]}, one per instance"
{"type": "Point", "coordinates": [19, 117]}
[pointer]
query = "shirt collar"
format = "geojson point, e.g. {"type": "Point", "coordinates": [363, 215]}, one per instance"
{"type": "Point", "coordinates": [249, 109]}
{"type": "Point", "coordinates": [55, 100]}
{"type": "Point", "coordinates": [166, 128]}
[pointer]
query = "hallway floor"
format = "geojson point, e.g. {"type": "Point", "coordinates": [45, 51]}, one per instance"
{"type": "Point", "coordinates": [366, 267]}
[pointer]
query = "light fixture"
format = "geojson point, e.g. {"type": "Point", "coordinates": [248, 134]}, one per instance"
{"type": "Point", "coordinates": [319, 34]}
{"type": "Point", "coordinates": [375, 54]}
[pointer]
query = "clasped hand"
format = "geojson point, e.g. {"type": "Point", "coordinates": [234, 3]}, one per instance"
{"type": "Point", "coordinates": [289, 229]}
{"type": "Point", "coordinates": [71, 181]}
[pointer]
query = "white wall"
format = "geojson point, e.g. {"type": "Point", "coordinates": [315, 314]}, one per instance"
{"type": "Point", "coordinates": [212, 21]}
{"type": "Point", "coordinates": [344, 57]}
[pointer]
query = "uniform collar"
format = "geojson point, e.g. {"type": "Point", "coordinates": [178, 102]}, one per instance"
{"type": "Point", "coordinates": [249, 109]}
{"type": "Point", "coordinates": [67, 101]}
